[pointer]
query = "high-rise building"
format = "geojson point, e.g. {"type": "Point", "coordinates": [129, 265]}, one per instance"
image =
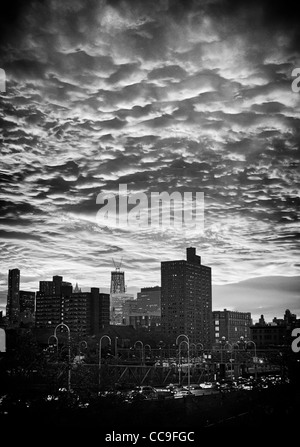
{"type": "Point", "coordinates": [145, 311]}
{"type": "Point", "coordinates": [104, 314]}
{"type": "Point", "coordinates": [118, 296]}
{"type": "Point", "coordinates": [85, 313]}
{"type": "Point", "coordinates": [117, 284]}
{"type": "Point", "coordinates": [186, 299]}
{"type": "Point", "coordinates": [13, 304]}
{"type": "Point", "coordinates": [231, 324]}
{"type": "Point", "coordinates": [27, 306]}
{"type": "Point", "coordinates": [149, 299]}
{"type": "Point", "coordinates": [129, 307]}
{"type": "Point", "coordinates": [53, 287]}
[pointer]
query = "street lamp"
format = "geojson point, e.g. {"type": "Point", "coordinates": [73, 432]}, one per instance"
{"type": "Point", "coordinates": [222, 341]}
{"type": "Point", "coordinates": [99, 365]}
{"type": "Point", "coordinates": [149, 347]}
{"type": "Point", "coordinates": [142, 348]}
{"type": "Point", "coordinates": [234, 353]}
{"type": "Point", "coordinates": [116, 347]}
{"type": "Point", "coordinates": [69, 350]}
{"type": "Point", "coordinates": [255, 352]}
{"type": "Point", "coordinates": [231, 347]}
{"type": "Point", "coordinates": [255, 357]}
{"type": "Point", "coordinates": [187, 340]}
{"type": "Point", "coordinates": [180, 359]}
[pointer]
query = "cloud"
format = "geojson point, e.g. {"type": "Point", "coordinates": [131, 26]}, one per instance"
{"type": "Point", "coordinates": [163, 96]}
{"type": "Point", "coordinates": [268, 296]}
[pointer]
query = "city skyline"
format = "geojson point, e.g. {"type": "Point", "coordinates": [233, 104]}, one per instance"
{"type": "Point", "coordinates": [271, 310]}
{"type": "Point", "coordinates": [162, 96]}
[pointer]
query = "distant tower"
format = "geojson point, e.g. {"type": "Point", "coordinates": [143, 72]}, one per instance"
{"type": "Point", "coordinates": [118, 294]}
{"type": "Point", "coordinates": [117, 282]}
{"type": "Point", "coordinates": [13, 304]}
{"type": "Point", "coordinates": [76, 289]}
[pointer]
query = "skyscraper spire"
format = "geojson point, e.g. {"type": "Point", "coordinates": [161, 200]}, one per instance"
{"type": "Point", "coordinates": [76, 289]}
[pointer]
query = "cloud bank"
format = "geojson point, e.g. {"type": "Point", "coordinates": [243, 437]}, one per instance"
{"type": "Point", "coordinates": [163, 96]}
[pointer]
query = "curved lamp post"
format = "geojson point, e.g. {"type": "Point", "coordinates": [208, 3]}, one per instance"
{"type": "Point", "coordinates": [149, 347]}
{"type": "Point", "coordinates": [255, 355]}
{"type": "Point", "coordinates": [231, 366]}
{"type": "Point", "coordinates": [187, 341]}
{"type": "Point", "coordinates": [222, 342]}
{"type": "Point", "coordinates": [180, 358]}
{"type": "Point", "coordinates": [69, 350]}
{"type": "Point", "coordinates": [99, 364]}
{"type": "Point", "coordinates": [246, 342]}
{"type": "Point", "coordinates": [234, 351]}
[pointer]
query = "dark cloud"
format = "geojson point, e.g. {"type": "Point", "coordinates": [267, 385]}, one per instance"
{"type": "Point", "coordinates": [18, 235]}
{"type": "Point", "coordinates": [163, 96]}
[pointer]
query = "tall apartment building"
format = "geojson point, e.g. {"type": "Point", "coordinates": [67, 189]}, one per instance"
{"type": "Point", "coordinates": [186, 299]}
{"type": "Point", "coordinates": [13, 304]}
{"type": "Point", "coordinates": [118, 297]}
{"type": "Point", "coordinates": [145, 311]}
{"type": "Point", "coordinates": [53, 287]}
{"type": "Point", "coordinates": [85, 313]}
{"type": "Point", "coordinates": [27, 307]}
{"type": "Point", "coordinates": [231, 324]}
{"type": "Point", "coordinates": [149, 299]}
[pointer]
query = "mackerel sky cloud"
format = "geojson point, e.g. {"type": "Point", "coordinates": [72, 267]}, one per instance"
{"type": "Point", "coordinates": [161, 96]}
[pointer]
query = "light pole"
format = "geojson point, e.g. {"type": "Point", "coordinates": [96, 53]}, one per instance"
{"type": "Point", "coordinates": [116, 347]}
{"type": "Point", "coordinates": [187, 341]}
{"type": "Point", "coordinates": [222, 342]}
{"type": "Point", "coordinates": [255, 357]}
{"type": "Point", "coordinates": [231, 347]}
{"type": "Point", "coordinates": [99, 365]}
{"type": "Point", "coordinates": [180, 359]}
{"type": "Point", "coordinates": [69, 350]}
{"type": "Point", "coordinates": [142, 348]}
{"type": "Point", "coordinates": [234, 355]}
{"type": "Point", "coordinates": [149, 347]}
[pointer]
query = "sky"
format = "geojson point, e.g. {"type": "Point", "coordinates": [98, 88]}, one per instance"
{"type": "Point", "coordinates": [161, 96]}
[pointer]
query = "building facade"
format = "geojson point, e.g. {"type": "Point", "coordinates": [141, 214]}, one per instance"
{"type": "Point", "coordinates": [231, 324]}
{"type": "Point", "coordinates": [27, 307]}
{"type": "Point", "coordinates": [149, 299]}
{"type": "Point", "coordinates": [274, 334]}
{"type": "Point", "coordinates": [85, 313]}
{"type": "Point", "coordinates": [186, 299]}
{"type": "Point", "coordinates": [13, 304]}
{"type": "Point", "coordinates": [118, 296]}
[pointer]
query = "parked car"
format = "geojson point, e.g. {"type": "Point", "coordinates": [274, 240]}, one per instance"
{"type": "Point", "coordinates": [145, 391]}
